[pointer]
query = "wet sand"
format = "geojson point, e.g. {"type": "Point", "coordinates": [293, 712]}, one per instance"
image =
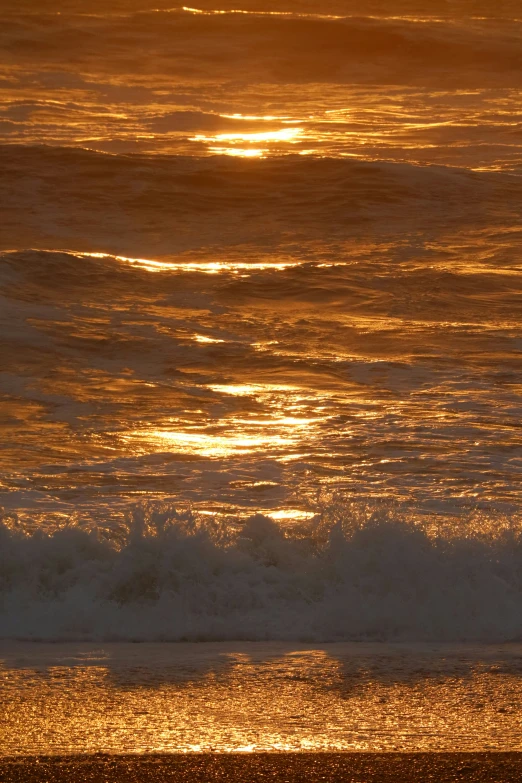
{"type": "Point", "coordinates": [284, 767]}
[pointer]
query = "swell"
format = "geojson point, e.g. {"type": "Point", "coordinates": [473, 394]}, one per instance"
{"type": "Point", "coordinates": [138, 205]}
{"type": "Point", "coordinates": [174, 577]}
{"type": "Point", "coordinates": [264, 47]}
{"type": "Point", "coordinates": [416, 8]}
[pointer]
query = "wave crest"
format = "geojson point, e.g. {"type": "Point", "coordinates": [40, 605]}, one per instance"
{"type": "Point", "coordinates": [274, 47]}
{"type": "Point", "coordinates": [176, 576]}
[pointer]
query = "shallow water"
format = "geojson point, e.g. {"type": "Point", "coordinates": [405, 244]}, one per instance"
{"type": "Point", "coordinates": [261, 262]}
{"type": "Point", "coordinates": [260, 697]}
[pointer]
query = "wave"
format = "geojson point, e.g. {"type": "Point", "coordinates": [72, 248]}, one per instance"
{"type": "Point", "coordinates": [271, 47]}
{"type": "Point", "coordinates": [416, 8]}
{"type": "Point", "coordinates": [135, 205]}
{"type": "Point", "coordinates": [174, 577]}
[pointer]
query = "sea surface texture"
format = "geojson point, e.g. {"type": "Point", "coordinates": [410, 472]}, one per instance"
{"type": "Point", "coordinates": [260, 312]}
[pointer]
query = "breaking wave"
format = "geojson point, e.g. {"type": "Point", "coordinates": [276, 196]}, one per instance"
{"type": "Point", "coordinates": [173, 576]}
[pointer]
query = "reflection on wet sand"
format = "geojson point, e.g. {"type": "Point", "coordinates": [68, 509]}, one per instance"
{"type": "Point", "coordinates": [258, 697]}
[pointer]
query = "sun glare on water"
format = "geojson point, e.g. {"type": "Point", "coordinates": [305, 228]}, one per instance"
{"type": "Point", "coordinates": [235, 435]}
{"type": "Point", "coordinates": [192, 265]}
{"type": "Point", "coordinates": [237, 152]}
{"type": "Point", "coordinates": [242, 144]}
{"type": "Point", "coordinates": [285, 423]}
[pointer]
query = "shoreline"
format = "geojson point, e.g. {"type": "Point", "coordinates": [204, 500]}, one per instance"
{"type": "Point", "coordinates": [327, 767]}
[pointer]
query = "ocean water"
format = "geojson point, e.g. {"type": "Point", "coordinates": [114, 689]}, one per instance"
{"type": "Point", "coordinates": [260, 280]}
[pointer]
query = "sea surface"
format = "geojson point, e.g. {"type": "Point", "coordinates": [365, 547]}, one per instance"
{"type": "Point", "coordinates": [260, 312]}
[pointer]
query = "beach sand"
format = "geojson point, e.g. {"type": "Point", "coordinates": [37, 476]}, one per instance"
{"type": "Point", "coordinates": [284, 767]}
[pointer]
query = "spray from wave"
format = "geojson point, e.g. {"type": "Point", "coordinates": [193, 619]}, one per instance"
{"type": "Point", "coordinates": [346, 575]}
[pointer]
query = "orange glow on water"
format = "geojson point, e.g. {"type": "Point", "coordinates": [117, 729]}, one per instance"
{"type": "Point", "coordinates": [384, 272]}
{"type": "Point", "coordinates": [236, 141]}
{"type": "Point", "coordinates": [234, 434]}
{"type": "Point", "coordinates": [242, 698]}
{"type": "Point", "coordinates": [246, 138]}
{"type": "Point", "coordinates": [238, 152]}
{"type": "Point", "coordinates": [206, 267]}
{"type": "Point", "coordinates": [223, 12]}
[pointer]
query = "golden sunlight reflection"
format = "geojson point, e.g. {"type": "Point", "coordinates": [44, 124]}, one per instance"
{"type": "Point", "coordinates": [241, 144]}
{"type": "Point", "coordinates": [224, 12]}
{"type": "Point", "coordinates": [473, 127]}
{"type": "Point", "coordinates": [247, 389]}
{"type": "Point", "coordinates": [238, 152]}
{"type": "Point", "coordinates": [206, 444]}
{"type": "Point", "coordinates": [233, 435]}
{"type": "Point", "coordinates": [201, 338]}
{"type": "Point", "coordinates": [192, 265]}
{"type": "Point", "coordinates": [279, 420]}
{"type": "Point", "coordinates": [290, 514]}
{"type": "Point", "coordinates": [257, 117]}
{"type": "Point", "coordinates": [286, 515]}
{"type": "Point", "coordinates": [244, 697]}
{"type": "Point", "coordinates": [287, 134]}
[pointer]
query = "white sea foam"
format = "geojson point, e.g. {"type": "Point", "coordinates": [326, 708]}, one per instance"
{"type": "Point", "coordinates": [176, 577]}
